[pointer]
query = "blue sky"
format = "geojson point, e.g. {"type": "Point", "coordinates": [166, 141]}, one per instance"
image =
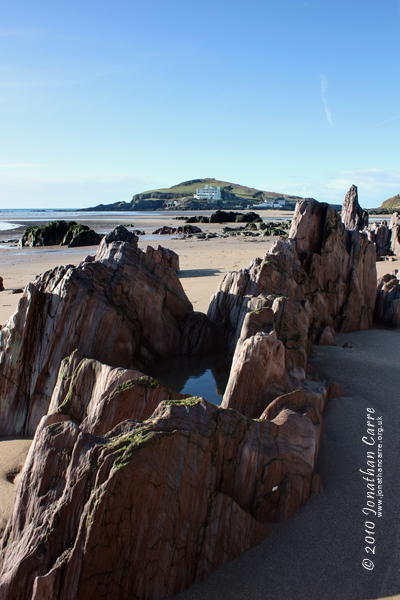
{"type": "Point", "coordinates": [102, 100]}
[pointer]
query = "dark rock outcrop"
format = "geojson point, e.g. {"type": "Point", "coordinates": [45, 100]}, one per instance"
{"type": "Point", "coordinates": [120, 308]}
{"type": "Point", "coordinates": [353, 216]}
{"type": "Point", "coordinates": [222, 216]}
{"type": "Point", "coordinates": [1, 285]}
{"type": "Point", "coordinates": [184, 229]}
{"type": "Point", "coordinates": [61, 233]}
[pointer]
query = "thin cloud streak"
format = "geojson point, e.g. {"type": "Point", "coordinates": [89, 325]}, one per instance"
{"type": "Point", "coordinates": [388, 121]}
{"type": "Point", "coordinates": [324, 88]}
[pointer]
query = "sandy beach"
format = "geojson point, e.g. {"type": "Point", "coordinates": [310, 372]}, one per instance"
{"type": "Point", "coordinates": [203, 263]}
{"type": "Point", "coordinates": [318, 553]}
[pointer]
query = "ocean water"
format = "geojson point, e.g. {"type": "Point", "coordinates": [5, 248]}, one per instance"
{"type": "Point", "coordinates": [56, 214]}
{"type": "Point", "coordinates": [12, 218]}
{"type": "Point", "coordinates": [5, 225]}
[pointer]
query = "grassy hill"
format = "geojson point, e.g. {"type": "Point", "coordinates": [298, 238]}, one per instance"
{"type": "Point", "coordinates": [393, 202]}
{"type": "Point", "coordinates": [188, 188]}
{"type": "Point", "coordinates": [233, 194]}
{"type": "Point", "coordinates": [388, 207]}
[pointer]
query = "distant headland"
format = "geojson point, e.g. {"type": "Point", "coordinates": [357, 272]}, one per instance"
{"type": "Point", "coordinates": [182, 197]}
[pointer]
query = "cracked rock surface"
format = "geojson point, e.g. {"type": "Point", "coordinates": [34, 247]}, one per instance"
{"type": "Point", "coordinates": [150, 507]}
{"type": "Point", "coordinates": [130, 490]}
{"type": "Point", "coordinates": [120, 308]}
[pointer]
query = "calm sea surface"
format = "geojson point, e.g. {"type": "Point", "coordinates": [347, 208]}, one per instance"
{"type": "Point", "coordinates": [10, 218]}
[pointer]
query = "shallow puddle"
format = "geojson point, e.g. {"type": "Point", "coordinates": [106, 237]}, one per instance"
{"type": "Point", "coordinates": [204, 376]}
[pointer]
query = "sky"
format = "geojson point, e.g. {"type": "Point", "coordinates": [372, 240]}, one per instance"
{"type": "Point", "coordinates": [103, 100]}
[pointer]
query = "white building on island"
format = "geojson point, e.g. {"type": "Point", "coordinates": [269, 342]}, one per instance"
{"type": "Point", "coordinates": [271, 204]}
{"type": "Point", "coordinates": [208, 193]}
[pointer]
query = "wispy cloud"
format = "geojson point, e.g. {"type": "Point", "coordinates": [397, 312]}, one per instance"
{"type": "Point", "coordinates": [324, 88]}
{"type": "Point", "coordinates": [388, 121]}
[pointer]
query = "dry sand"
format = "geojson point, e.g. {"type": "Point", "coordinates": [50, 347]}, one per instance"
{"type": "Point", "coordinates": [13, 452]}
{"type": "Point", "coordinates": [318, 553]}
{"type": "Point", "coordinates": [203, 262]}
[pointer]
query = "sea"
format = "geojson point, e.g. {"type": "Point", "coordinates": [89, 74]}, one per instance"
{"type": "Point", "coordinates": [12, 218]}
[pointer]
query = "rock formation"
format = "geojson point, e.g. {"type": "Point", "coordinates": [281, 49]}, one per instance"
{"type": "Point", "coordinates": [164, 257]}
{"type": "Point", "coordinates": [223, 216]}
{"type": "Point", "coordinates": [395, 229]}
{"type": "Point", "coordinates": [386, 238]}
{"type": "Point", "coordinates": [387, 309]}
{"type": "Point", "coordinates": [1, 285]}
{"type": "Point", "coordinates": [131, 490]}
{"type": "Point", "coordinates": [353, 216]}
{"type": "Point", "coordinates": [120, 308]}
{"type": "Point", "coordinates": [380, 235]}
{"type": "Point", "coordinates": [98, 397]}
{"type": "Point", "coordinates": [146, 509]}
{"type": "Point", "coordinates": [186, 229]}
{"type": "Point", "coordinates": [320, 281]}
{"type": "Point", "coordinates": [321, 262]}
{"type": "Point", "coordinates": [61, 233]}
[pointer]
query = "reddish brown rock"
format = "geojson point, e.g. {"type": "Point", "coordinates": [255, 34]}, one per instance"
{"type": "Point", "coordinates": [98, 397]}
{"type": "Point", "coordinates": [292, 325]}
{"type": "Point", "coordinates": [322, 262]}
{"type": "Point", "coordinates": [353, 216]}
{"type": "Point", "coordinates": [121, 309]}
{"type": "Point", "coordinates": [151, 507]}
{"type": "Point", "coordinates": [164, 257]}
{"type": "Point", "coordinates": [306, 402]}
{"type": "Point", "coordinates": [258, 374]}
{"type": "Point", "coordinates": [340, 280]}
{"type": "Point", "coordinates": [394, 226]}
{"type": "Point", "coordinates": [387, 310]}
{"type": "Point", "coordinates": [334, 390]}
{"type": "Point", "coordinates": [1, 285]}
{"type": "Point", "coordinates": [380, 235]}
{"type": "Point", "coordinates": [326, 338]}
{"type": "Point", "coordinates": [249, 289]}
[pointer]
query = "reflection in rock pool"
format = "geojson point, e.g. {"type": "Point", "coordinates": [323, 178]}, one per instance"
{"type": "Point", "coordinates": [204, 376]}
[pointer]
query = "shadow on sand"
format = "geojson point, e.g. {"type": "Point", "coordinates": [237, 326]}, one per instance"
{"type": "Point", "coordinates": [198, 273]}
